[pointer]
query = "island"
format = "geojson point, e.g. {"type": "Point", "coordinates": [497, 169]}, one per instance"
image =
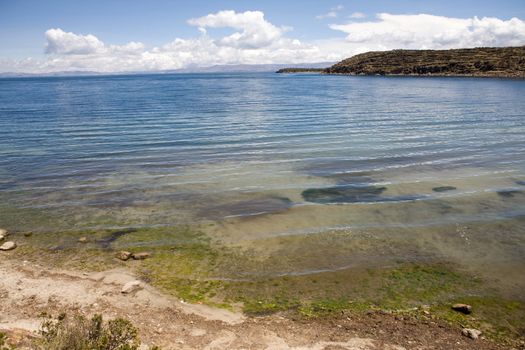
{"type": "Point", "coordinates": [504, 62]}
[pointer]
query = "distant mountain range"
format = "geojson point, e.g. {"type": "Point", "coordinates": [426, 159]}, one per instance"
{"type": "Point", "coordinates": [234, 68]}
{"type": "Point", "coordinates": [240, 68]}
{"type": "Point", "coordinates": [478, 62]}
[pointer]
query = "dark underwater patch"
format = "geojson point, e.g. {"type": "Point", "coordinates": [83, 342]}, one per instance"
{"type": "Point", "coordinates": [343, 194]}
{"type": "Point", "coordinates": [508, 193]}
{"type": "Point", "coordinates": [112, 237]}
{"type": "Point", "coordinates": [520, 182]}
{"type": "Point", "coordinates": [444, 188]}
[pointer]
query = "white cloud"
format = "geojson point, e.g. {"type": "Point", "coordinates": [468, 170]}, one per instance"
{"type": "Point", "coordinates": [254, 41]}
{"type": "Point", "coordinates": [60, 42]}
{"type": "Point", "coordinates": [357, 15]}
{"type": "Point", "coordinates": [425, 31]}
{"type": "Point", "coordinates": [257, 41]}
{"type": "Point", "coordinates": [255, 31]}
{"type": "Point", "coordinates": [333, 13]}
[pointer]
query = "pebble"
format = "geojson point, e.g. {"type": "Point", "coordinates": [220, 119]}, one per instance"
{"type": "Point", "coordinates": [141, 255]}
{"type": "Point", "coordinates": [9, 245]}
{"type": "Point", "coordinates": [3, 234]}
{"type": "Point", "coordinates": [131, 287]}
{"type": "Point", "coordinates": [471, 333]}
{"type": "Point", "coordinates": [123, 255]}
{"type": "Point", "coordinates": [83, 239]}
{"type": "Point", "coordinates": [463, 308]}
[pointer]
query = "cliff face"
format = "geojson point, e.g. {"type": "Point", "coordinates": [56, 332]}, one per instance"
{"type": "Point", "coordinates": [486, 62]}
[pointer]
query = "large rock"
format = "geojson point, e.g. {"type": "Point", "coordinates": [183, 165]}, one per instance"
{"type": "Point", "coordinates": [464, 308]}
{"type": "Point", "coordinates": [131, 287]}
{"type": "Point", "coordinates": [9, 245]}
{"type": "Point", "coordinates": [471, 333]}
{"type": "Point", "coordinates": [141, 255]}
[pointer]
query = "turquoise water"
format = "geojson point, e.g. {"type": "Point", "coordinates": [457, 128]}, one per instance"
{"type": "Point", "coordinates": [430, 160]}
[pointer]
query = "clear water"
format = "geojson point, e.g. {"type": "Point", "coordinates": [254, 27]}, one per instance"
{"type": "Point", "coordinates": [269, 155]}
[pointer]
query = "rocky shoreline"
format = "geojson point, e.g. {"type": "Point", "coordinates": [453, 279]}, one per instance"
{"type": "Point", "coordinates": [28, 290]}
{"type": "Point", "coordinates": [93, 279]}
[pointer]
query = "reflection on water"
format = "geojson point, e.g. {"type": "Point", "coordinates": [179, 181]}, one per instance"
{"type": "Point", "coordinates": [403, 161]}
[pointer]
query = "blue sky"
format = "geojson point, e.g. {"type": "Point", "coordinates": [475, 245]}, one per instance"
{"type": "Point", "coordinates": [157, 23]}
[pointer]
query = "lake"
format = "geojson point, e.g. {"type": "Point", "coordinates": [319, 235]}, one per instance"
{"type": "Point", "coordinates": [318, 170]}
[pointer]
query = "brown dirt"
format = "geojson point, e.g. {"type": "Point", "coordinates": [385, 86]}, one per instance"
{"type": "Point", "coordinates": [27, 290]}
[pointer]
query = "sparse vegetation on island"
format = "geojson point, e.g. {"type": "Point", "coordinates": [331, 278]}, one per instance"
{"type": "Point", "coordinates": [504, 62]}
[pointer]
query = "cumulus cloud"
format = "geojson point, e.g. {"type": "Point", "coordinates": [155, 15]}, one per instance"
{"type": "Point", "coordinates": [333, 13]}
{"type": "Point", "coordinates": [255, 31]}
{"type": "Point", "coordinates": [61, 42]}
{"type": "Point", "coordinates": [425, 31]}
{"type": "Point", "coordinates": [256, 41]}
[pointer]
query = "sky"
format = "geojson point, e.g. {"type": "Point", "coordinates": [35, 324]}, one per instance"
{"type": "Point", "coordinates": [130, 35]}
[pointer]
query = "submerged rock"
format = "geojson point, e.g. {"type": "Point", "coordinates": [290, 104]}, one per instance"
{"type": "Point", "coordinates": [83, 239]}
{"type": "Point", "coordinates": [471, 333]}
{"type": "Point", "coordinates": [463, 308]}
{"type": "Point", "coordinates": [343, 194]}
{"type": "Point", "coordinates": [123, 255]}
{"type": "Point", "coordinates": [141, 255]}
{"type": "Point", "coordinates": [444, 188]}
{"type": "Point", "coordinates": [131, 287]}
{"type": "Point", "coordinates": [9, 245]}
{"type": "Point", "coordinates": [520, 182]}
{"type": "Point", "coordinates": [508, 193]}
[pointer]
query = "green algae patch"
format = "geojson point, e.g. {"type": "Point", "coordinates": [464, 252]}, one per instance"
{"type": "Point", "coordinates": [183, 262]}
{"type": "Point", "coordinates": [261, 307]}
{"type": "Point", "coordinates": [414, 285]}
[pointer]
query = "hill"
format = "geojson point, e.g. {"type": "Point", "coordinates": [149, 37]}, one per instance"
{"type": "Point", "coordinates": [482, 62]}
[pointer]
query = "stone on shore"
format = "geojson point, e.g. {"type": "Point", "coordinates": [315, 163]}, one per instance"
{"type": "Point", "coordinates": [471, 333]}
{"type": "Point", "coordinates": [123, 255]}
{"type": "Point", "coordinates": [141, 255]}
{"type": "Point", "coordinates": [83, 239]}
{"type": "Point", "coordinates": [131, 287]}
{"type": "Point", "coordinates": [9, 245]}
{"type": "Point", "coordinates": [3, 234]}
{"type": "Point", "coordinates": [463, 308]}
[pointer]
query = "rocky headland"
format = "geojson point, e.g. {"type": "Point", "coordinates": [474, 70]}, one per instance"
{"type": "Point", "coordinates": [503, 62]}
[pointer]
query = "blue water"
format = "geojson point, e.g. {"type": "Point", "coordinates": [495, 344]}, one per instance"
{"type": "Point", "coordinates": [165, 149]}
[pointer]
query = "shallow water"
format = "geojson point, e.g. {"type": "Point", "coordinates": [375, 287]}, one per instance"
{"type": "Point", "coordinates": [268, 155]}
